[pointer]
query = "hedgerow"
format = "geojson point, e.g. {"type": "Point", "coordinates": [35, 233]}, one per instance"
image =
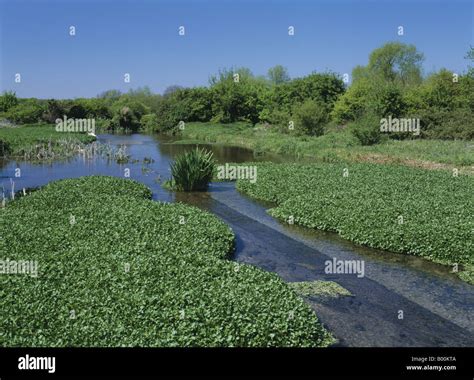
{"type": "Point", "coordinates": [117, 269]}
{"type": "Point", "coordinates": [395, 208]}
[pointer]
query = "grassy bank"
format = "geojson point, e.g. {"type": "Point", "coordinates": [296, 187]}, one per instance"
{"type": "Point", "coordinates": [116, 269]}
{"type": "Point", "coordinates": [336, 146]}
{"type": "Point", "coordinates": [40, 141]}
{"type": "Point", "coordinates": [395, 208]}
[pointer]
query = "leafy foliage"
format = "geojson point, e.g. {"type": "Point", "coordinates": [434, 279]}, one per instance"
{"type": "Point", "coordinates": [397, 63]}
{"type": "Point", "coordinates": [193, 170]}
{"type": "Point", "coordinates": [127, 273]}
{"type": "Point", "coordinates": [365, 206]}
{"type": "Point", "coordinates": [311, 117]}
{"type": "Point", "coordinates": [7, 101]}
{"type": "Point", "coordinates": [278, 74]}
{"type": "Point", "coordinates": [27, 111]}
{"type": "Point", "coordinates": [149, 122]}
{"type": "Point", "coordinates": [367, 129]}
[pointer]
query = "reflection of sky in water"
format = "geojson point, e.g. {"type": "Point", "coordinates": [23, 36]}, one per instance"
{"type": "Point", "coordinates": [138, 146]}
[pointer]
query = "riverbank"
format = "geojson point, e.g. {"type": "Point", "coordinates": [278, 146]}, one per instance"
{"type": "Point", "coordinates": [337, 145]}
{"type": "Point", "coordinates": [40, 141]}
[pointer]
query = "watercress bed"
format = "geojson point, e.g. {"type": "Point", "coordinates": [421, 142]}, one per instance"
{"type": "Point", "coordinates": [395, 208]}
{"type": "Point", "coordinates": [117, 269]}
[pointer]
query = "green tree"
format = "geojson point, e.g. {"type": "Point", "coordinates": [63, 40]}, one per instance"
{"type": "Point", "coordinates": [470, 56]}
{"type": "Point", "coordinates": [278, 74]}
{"type": "Point", "coordinates": [110, 94]}
{"type": "Point", "coordinates": [7, 101]}
{"type": "Point", "coordinates": [237, 95]}
{"type": "Point", "coordinates": [396, 62]}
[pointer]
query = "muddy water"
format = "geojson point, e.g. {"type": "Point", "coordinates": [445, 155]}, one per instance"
{"type": "Point", "coordinates": [400, 301]}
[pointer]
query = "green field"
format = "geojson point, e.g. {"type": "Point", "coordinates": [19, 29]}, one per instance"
{"type": "Point", "coordinates": [117, 269]}
{"type": "Point", "coordinates": [40, 141]}
{"type": "Point", "coordinates": [337, 145]}
{"type": "Point", "coordinates": [390, 207]}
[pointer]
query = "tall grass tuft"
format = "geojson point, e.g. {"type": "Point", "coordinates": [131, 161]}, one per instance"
{"type": "Point", "coordinates": [193, 170]}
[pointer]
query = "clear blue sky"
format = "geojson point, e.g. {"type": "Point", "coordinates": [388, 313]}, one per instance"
{"type": "Point", "coordinates": [140, 37]}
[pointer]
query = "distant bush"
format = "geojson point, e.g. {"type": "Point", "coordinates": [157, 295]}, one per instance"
{"type": "Point", "coordinates": [352, 104]}
{"type": "Point", "coordinates": [444, 106]}
{"type": "Point", "coordinates": [192, 104]}
{"type": "Point", "coordinates": [450, 125]}
{"type": "Point", "coordinates": [54, 110]}
{"type": "Point", "coordinates": [193, 170]}
{"type": "Point", "coordinates": [127, 115]}
{"type": "Point", "coordinates": [279, 120]}
{"type": "Point", "coordinates": [386, 99]}
{"type": "Point", "coordinates": [7, 101]}
{"type": "Point", "coordinates": [26, 112]}
{"type": "Point", "coordinates": [367, 129]}
{"type": "Point", "coordinates": [237, 96]}
{"type": "Point", "coordinates": [149, 122]}
{"type": "Point", "coordinates": [310, 118]}
{"type": "Point", "coordinates": [77, 111]}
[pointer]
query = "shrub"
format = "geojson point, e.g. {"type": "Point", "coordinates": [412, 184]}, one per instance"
{"type": "Point", "coordinates": [77, 111]}
{"type": "Point", "coordinates": [127, 115]}
{"type": "Point", "coordinates": [26, 112]}
{"type": "Point", "coordinates": [450, 125]}
{"type": "Point", "coordinates": [240, 100]}
{"type": "Point", "coordinates": [193, 170]}
{"type": "Point", "coordinates": [322, 87]}
{"type": "Point", "coordinates": [7, 101]}
{"type": "Point", "coordinates": [310, 118]}
{"type": "Point", "coordinates": [385, 100]}
{"type": "Point", "coordinates": [149, 122]}
{"type": "Point", "coordinates": [54, 110]}
{"type": "Point", "coordinates": [367, 129]}
{"type": "Point", "coordinates": [352, 104]}
{"type": "Point", "coordinates": [280, 120]}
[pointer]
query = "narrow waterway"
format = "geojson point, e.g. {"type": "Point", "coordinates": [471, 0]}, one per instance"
{"type": "Point", "coordinates": [437, 308]}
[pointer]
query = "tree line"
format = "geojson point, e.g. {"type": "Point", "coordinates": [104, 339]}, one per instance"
{"type": "Point", "coordinates": [391, 84]}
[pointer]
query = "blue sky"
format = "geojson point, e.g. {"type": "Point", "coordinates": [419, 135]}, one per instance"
{"type": "Point", "coordinates": [141, 37]}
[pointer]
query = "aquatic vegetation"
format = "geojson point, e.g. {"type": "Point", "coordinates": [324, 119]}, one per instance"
{"type": "Point", "coordinates": [319, 289]}
{"type": "Point", "coordinates": [193, 170]}
{"type": "Point", "coordinates": [41, 142]}
{"type": "Point", "coordinates": [426, 213]}
{"type": "Point", "coordinates": [117, 269]}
